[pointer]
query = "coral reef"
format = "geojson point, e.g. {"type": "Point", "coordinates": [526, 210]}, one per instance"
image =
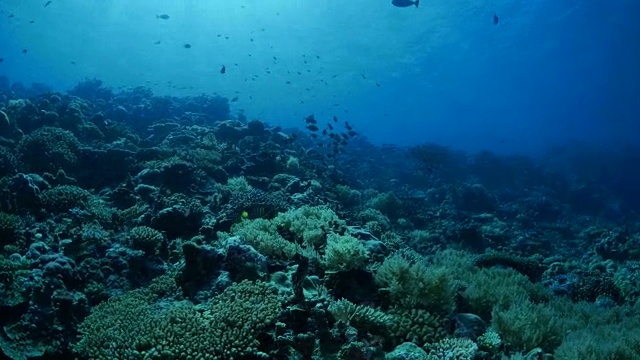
{"type": "Point", "coordinates": [134, 226]}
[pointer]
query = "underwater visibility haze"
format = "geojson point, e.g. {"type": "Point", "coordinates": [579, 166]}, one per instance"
{"type": "Point", "coordinates": [546, 73]}
{"type": "Point", "coordinates": [263, 179]}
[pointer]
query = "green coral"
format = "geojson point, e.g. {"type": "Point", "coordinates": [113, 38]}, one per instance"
{"type": "Point", "coordinates": [615, 341]}
{"type": "Point", "coordinates": [137, 326]}
{"type": "Point", "coordinates": [526, 325]}
{"type": "Point", "coordinates": [263, 235]}
{"type": "Point", "coordinates": [238, 184]}
{"type": "Point", "coordinates": [347, 196]}
{"type": "Point", "coordinates": [8, 161]}
{"type": "Point", "coordinates": [344, 253]}
{"type": "Point", "coordinates": [9, 226]}
{"type": "Point", "coordinates": [530, 267]}
{"type": "Point", "coordinates": [48, 149]}
{"type": "Point", "coordinates": [310, 224]}
{"type": "Point", "coordinates": [363, 318]}
{"type": "Point", "coordinates": [64, 198]}
{"type": "Point", "coordinates": [146, 239]}
{"type": "Point", "coordinates": [415, 325]}
{"type": "Point", "coordinates": [411, 283]}
{"type": "Point", "coordinates": [12, 275]}
{"type": "Point", "coordinates": [388, 204]}
{"type": "Point", "coordinates": [490, 341]}
{"type": "Point", "coordinates": [452, 349]}
{"type": "Point", "coordinates": [492, 287]}
{"type": "Point", "coordinates": [283, 236]}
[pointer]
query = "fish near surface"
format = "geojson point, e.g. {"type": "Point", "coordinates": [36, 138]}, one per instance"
{"type": "Point", "coordinates": [405, 3]}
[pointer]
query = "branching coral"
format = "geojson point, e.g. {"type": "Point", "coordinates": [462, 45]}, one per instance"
{"type": "Point", "coordinates": [137, 326]}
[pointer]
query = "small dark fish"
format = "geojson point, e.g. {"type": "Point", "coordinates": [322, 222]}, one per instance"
{"type": "Point", "coordinates": [47, 3]}
{"type": "Point", "coordinates": [157, 42]}
{"type": "Point", "coordinates": [235, 98]}
{"type": "Point", "coordinates": [287, 82]}
{"type": "Point", "coordinates": [352, 133]}
{"type": "Point", "coordinates": [364, 77]}
{"type": "Point", "coordinates": [335, 119]}
{"type": "Point", "coordinates": [324, 132]}
{"type": "Point", "coordinates": [187, 46]}
{"type": "Point", "coordinates": [313, 127]}
{"type": "Point", "coordinates": [311, 119]}
{"type": "Point", "coordinates": [314, 135]}
{"type": "Point", "coordinates": [1, 60]}
{"type": "Point", "coordinates": [11, 15]}
{"type": "Point", "coordinates": [162, 16]}
{"type": "Point", "coordinates": [31, 22]}
{"type": "Point", "coordinates": [330, 126]}
{"type": "Point", "coordinates": [24, 51]}
{"type": "Point", "coordinates": [495, 19]}
{"type": "Point", "coordinates": [345, 136]}
{"type": "Point", "coordinates": [72, 62]}
{"type": "Point", "coordinates": [377, 84]}
{"type": "Point", "coordinates": [346, 124]}
{"type": "Point", "coordinates": [405, 3]}
{"type": "Point", "coordinates": [223, 69]}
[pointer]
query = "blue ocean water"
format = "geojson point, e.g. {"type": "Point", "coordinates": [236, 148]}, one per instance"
{"type": "Point", "coordinates": [548, 73]}
{"type": "Point", "coordinates": [260, 179]}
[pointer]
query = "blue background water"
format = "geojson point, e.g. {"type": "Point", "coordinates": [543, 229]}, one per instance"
{"type": "Point", "coordinates": [551, 72]}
